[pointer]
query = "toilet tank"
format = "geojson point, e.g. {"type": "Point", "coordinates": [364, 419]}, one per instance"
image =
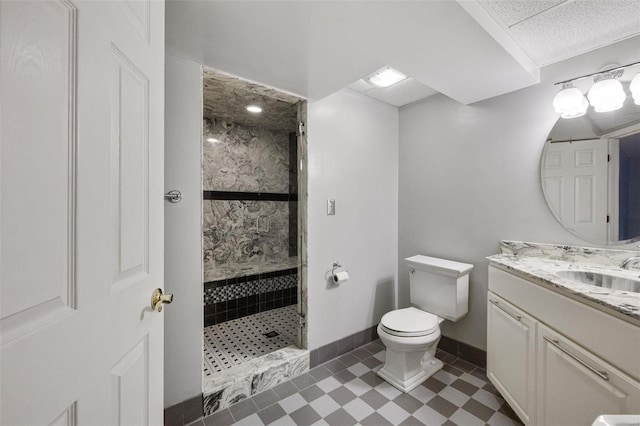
{"type": "Point", "coordinates": [439, 286]}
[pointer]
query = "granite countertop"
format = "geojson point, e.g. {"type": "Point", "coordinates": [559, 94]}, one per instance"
{"type": "Point", "coordinates": [541, 263]}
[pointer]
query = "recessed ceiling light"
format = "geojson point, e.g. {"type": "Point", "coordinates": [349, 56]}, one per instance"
{"type": "Point", "coordinates": [212, 140]}
{"type": "Point", "coordinates": [385, 77]}
{"type": "Point", "coordinates": [254, 109]}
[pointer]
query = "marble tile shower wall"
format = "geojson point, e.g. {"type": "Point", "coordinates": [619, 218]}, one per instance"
{"type": "Point", "coordinates": [246, 159]}
{"type": "Point", "coordinates": [232, 244]}
{"type": "Point", "coordinates": [249, 210]}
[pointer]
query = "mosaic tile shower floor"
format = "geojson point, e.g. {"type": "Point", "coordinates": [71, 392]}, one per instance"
{"type": "Point", "coordinates": [347, 391]}
{"type": "Point", "coordinates": [234, 342]}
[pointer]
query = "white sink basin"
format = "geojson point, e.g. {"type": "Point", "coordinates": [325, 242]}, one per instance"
{"type": "Point", "coordinates": [602, 280]}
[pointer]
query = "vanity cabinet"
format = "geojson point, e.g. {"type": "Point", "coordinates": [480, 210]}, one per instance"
{"type": "Point", "coordinates": [574, 386]}
{"type": "Point", "coordinates": [511, 337]}
{"type": "Point", "coordinates": [555, 360]}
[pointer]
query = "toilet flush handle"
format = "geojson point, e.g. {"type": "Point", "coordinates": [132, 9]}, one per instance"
{"type": "Point", "coordinates": [413, 271]}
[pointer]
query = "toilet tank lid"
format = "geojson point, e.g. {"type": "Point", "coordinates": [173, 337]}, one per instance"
{"type": "Point", "coordinates": [442, 266]}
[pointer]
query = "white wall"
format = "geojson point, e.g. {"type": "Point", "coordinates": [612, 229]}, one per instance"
{"type": "Point", "coordinates": [183, 253]}
{"type": "Point", "coordinates": [469, 177]}
{"type": "Point", "coordinates": [353, 158]}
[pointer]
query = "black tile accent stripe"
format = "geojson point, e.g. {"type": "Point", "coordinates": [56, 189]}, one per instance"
{"type": "Point", "coordinates": [226, 300]}
{"type": "Point", "coordinates": [248, 196]}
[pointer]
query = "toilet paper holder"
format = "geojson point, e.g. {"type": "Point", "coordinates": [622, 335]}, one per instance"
{"type": "Point", "coordinates": [336, 265]}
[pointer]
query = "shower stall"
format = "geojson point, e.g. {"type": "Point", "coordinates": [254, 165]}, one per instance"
{"type": "Point", "coordinates": [253, 335]}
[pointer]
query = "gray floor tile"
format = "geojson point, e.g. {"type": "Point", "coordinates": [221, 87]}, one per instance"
{"type": "Point", "coordinates": [334, 366]}
{"type": "Point", "coordinates": [265, 399]}
{"type": "Point", "coordinates": [465, 387]}
{"type": "Point", "coordinates": [411, 421]}
{"type": "Point", "coordinates": [480, 374]}
{"type": "Point", "coordinates": [271, 414]}
{"type": "Point", "coordinates": [221, 418]}
{"type": "Point", "coordinates": [371, 378]}
{"type": "Point", "coordinates": [361, 353]}
{"type": "Point", "coordinates": [303, 381]}
{"type": "Point", "coordinates": [319, 373]}
{"type": "Point", "coordinates": [305, 416]}
{"type": "Point", "coordinates": [371, 362]}
{"type": "Point", "coordinates": [243, 409]}
{"type": "Point", "coordinates": [478, 409]}
{"type": "Point", "coordinates": [348, 360]}
{"type": "Point", "coordinates": [342, 395]}
{"type": "Point", "coordinates": [374, 399]}
{"type": "Point", "coordinates": [453, 370]}
{"type": "Point", "coordinates": [311, 393]}
{"type": "Point", "coordinates": [353, 392]}
{"type": "Point", "coordinates": [340, 418]}
{"type": "Point", "coordinates": [433, 384]}
{"type": "Point", "coordinates": [285, 389]}
{"type": "Point", "coordinates": [374, 348]}
{"type": "Point", "coordinates": [463, 365]}
{"type": "Point", "coordinates": [409, 403]}
{"type": "Point", "coordinates": [344, 376]}
{"type": "Point", "coordinates": [375, 419]}
{"type": "Point", "coordinates": [442, 406]}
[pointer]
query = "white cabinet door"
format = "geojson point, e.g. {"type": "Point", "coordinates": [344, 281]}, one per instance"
{"type": "Point", "coordinates": [511, 351]}
{"type": "Point", "coordinates": [574, 386]}
{"type": "Point", "coordinates": [81, 205]}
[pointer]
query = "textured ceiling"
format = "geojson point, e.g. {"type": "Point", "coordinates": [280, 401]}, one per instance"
{"type": "Point", "coordinates": [551, 31]}
{"type": "Point", "coordinates": [226, 98]}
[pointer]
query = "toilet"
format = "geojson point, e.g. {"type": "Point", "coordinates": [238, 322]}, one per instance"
{"type": "Point", "coordinates": [439, 290]}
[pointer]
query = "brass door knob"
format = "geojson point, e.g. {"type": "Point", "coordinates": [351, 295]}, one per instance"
{"type": "Point", "coordinates": [158, 299]}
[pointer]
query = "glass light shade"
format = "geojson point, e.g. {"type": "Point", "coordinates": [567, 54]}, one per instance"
{"type": "Point", "coordinates": [254, 109]}
{"type": "Point", "coordinates": [606, 95]}
{"type": "Point", "coordinates": [634, 87]}
{"type": "Point", "coordinates": [386, 77]}
{"type": "Point", "coordinates": [570, 103]}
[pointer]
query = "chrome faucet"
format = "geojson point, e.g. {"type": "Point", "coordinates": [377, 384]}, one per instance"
{"type": "Point", "coordinates": [628, 262]}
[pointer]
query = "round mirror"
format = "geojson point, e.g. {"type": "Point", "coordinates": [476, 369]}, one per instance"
{"type": "Point", "coordinates": [590, 172]}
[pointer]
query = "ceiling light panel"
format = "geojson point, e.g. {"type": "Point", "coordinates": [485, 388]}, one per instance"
{"type": "Point", "coordinates": [385, 77]}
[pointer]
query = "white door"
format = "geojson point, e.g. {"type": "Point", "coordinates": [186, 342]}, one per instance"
{"type": "Point", "coordinates": [81, 212]}
{"type": "Point", "coordinates": [574, 180]}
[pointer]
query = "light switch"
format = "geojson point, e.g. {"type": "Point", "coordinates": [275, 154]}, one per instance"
{"type": "Point", "coordinates": [331, 207]}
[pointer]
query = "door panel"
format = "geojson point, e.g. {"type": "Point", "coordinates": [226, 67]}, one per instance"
{"type": "Point", "coordinates": [511, 351]}
{"type": "Point", "coordinates": [567, 369]}
{"type": "Point", "coordinates": [81, 212]}
{"type": "Point", "coordinates": [575, 182]}
{"type": "Point", "coordinates": [36, 63]}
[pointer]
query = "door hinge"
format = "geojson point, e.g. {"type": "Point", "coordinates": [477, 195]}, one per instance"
{"type": "Point", "coordinates": [302, 321]}
{"type": "Point", "coordinates": [607, 218]}
{"type": "Point", "coordinates": [608, 158]}
{"type": "Point", "coordinates": [300, 128]}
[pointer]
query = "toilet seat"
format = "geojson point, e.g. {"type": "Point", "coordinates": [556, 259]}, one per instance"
{"type": "Point", "coordinates": [409, 322]}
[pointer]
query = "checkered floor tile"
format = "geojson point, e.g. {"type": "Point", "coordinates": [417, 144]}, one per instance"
{"type": "Point", "coordinates": [347, 391]}
{"type": "Point", "coordinates": [233, 342]}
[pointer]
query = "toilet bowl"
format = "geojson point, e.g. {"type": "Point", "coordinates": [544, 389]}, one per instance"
{"type": "Point", "coordinates": [410, 337]}
{"type": "Point", "coordinates": [439, 290]}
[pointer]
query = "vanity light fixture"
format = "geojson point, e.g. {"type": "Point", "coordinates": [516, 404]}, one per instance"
{"type": "Point", "coordinates": [607, 93]}
{"type": "Point", "coordinates": [634, 87]}
{"type": "Point", "coordinates": [385, 77]}
{"type": "Point", "coordinates": [254, 109]}
{"type": "Point", "coordinates": [570, 102]}
{"type": "Point", "coordinates": [212, 140]}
